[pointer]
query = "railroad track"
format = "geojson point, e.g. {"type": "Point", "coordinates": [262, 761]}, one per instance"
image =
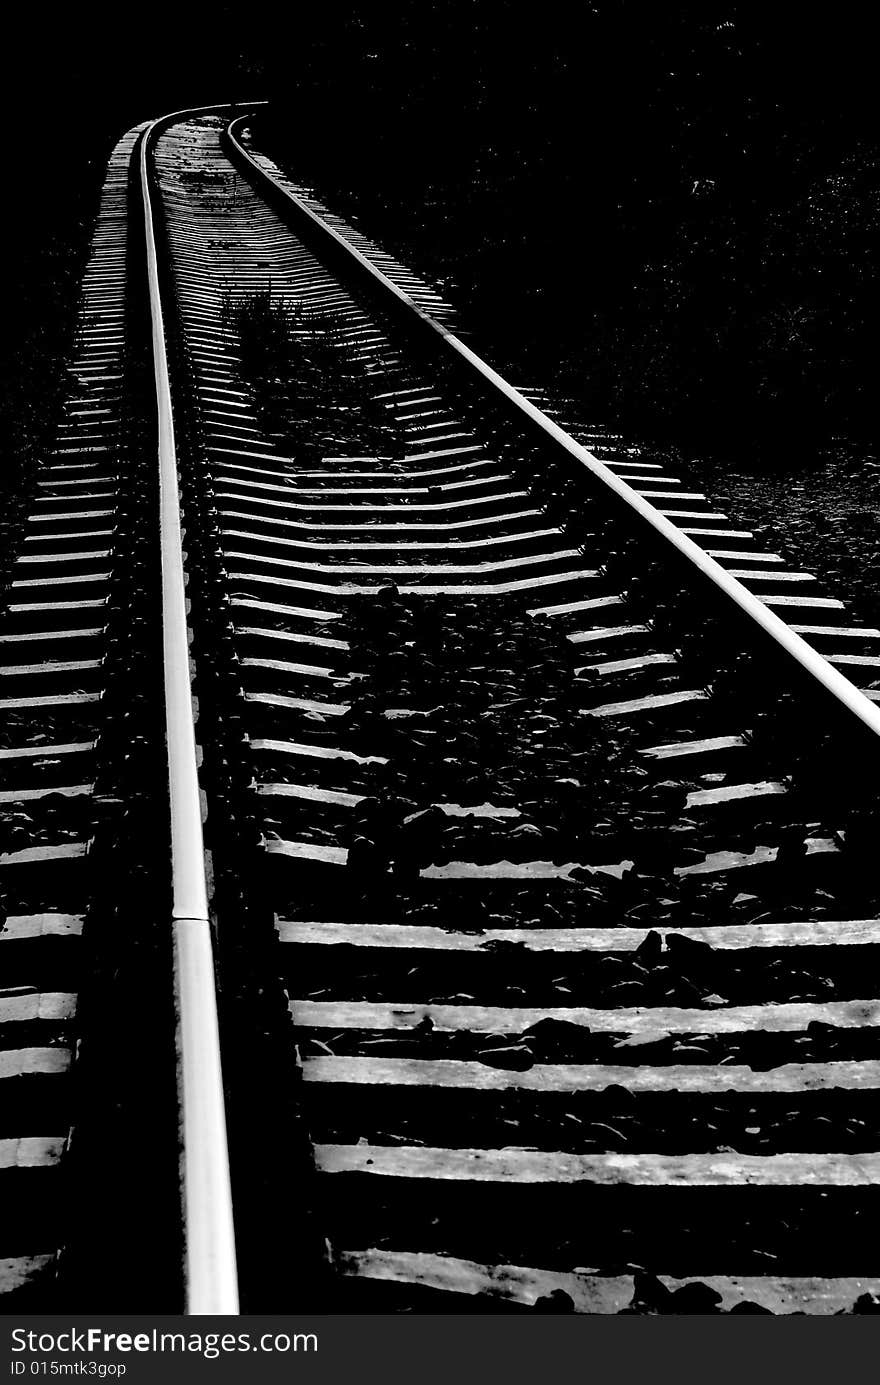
{"type": "Point", "coordinates": [537, 875]}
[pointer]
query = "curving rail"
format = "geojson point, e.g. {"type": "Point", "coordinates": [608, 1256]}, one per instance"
{"type": "Point", "coordinates": [209, 1238]}
{"type": "Point", "coordinates": [783, 636]}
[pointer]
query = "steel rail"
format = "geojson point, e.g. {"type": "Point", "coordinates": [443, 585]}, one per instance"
{"type": "Point", "coordinates": [809, 660]}
{"type": "Point", "coordinates": [210, 1271]}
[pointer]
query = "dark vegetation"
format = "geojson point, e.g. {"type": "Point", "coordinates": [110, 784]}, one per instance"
{"type": "Point", "coordinates": [671, 212]}
{"type": "Point", "coordinates": [674, 209]}
{"type": "Point", "coordinates": [306, 384]}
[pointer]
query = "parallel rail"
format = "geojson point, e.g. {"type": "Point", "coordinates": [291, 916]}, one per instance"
{"type": "Point", "coordinates": [840, 688]}
{"type": "Point", "coordinates": [211, 1283]}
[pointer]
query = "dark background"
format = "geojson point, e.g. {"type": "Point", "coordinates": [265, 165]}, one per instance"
{"type": "Point", "coordinates": [75, 78]}
{"type": "Point", "coordinates": [670, 210]}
